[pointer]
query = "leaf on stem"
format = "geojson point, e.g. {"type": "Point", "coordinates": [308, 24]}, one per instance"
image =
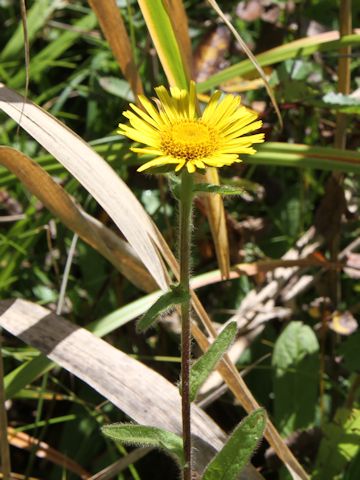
{"type": "Point", "coordinates": [203, 367]}
{"type": "Point", "coordinates": [219, 189]}
{"type": "Point", "coordinates": [146, 437]}
{"type": "Point", "coordinates": [175, 296]}
{"type": "Point", "coordinates": [236, 453]}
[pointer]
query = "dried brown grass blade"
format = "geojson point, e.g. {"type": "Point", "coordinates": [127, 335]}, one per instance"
{"type": "Point", "coordinates": [216, 214]}
{"type": "Point", "coordinates": [94, 174]}
{"type": "Point", "coordinates": [114, 30]}
{"type": "Point", "coordinates": [140, 392]}
{"type": "Point", "coordinates": [115, 468]}
{"type": "Point", "coordinates": [93, 232]}
{"type": "Point", "coordinates": [43, 450]}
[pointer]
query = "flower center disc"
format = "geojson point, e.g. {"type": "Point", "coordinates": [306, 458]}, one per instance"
{"type": "Point", "coordinates": [188, 140]}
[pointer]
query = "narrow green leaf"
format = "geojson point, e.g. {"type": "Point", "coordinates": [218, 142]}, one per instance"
{"type": "Point", "coordinates": [37, 16]}
{"type": "Point", "coordinates": [305, 156]}
{"type": "Point", "coordinates": [26, 373]}
{"type": "Point", "coordinates": [174, 296]}
{"type": "Point", "coordinates": [203, 367]}
{"type": "Point", "coordinates": [296, 366]}
{"type": "Point", "coordinates": [302, 47]}
{"type": "Point", "coordinates": [162, 34]}
{"type": "Point", "coordinates": [219, 189]}
{"type": "Point", "coordinates": [146, 437]}
{"type": "Point", "coordinates": [237, 451]}
{"type": "Point", "coordinates": [54, 50]}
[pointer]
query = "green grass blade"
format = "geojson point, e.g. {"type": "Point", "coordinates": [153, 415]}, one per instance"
{"type": "Point", "coordinates": [37, 17]}
{"type": "Point", "coordinates": [43, 59]}
{"type": "Point", "coordinates": [161, 31]}
{"type": "Point", "coordinates": [26, 373]}
{"type": "Point", "coordinates": [299, 48]}
{"type": "Point", "coordinates": [236, 453]}
{"type": "Point", "coordinates": [304, 156]}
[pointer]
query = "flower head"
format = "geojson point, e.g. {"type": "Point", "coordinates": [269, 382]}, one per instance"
{"type": "Point", "coordinates": [177, 136]}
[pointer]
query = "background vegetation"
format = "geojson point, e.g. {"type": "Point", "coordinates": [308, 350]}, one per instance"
{"type": "Point", "coordinates": [293, 234]}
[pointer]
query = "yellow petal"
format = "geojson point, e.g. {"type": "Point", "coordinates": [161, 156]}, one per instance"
{"type": "Point", "coordinates": [158, 162]}
{"type": "Point", "coordinates": [190, 166]}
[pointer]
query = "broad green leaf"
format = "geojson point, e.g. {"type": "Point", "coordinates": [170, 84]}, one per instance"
{"type": "Point", "coordinates": [175, 296]}
{"type": "Point", "coordinates": [203, 367]}
{"type": "Point", "coordinates": [303, 47]}
{"type": "Point", "coordinates": [147, 437]}
{"type": "Point", "coordinates": [236, 453]}
{"type": "Point", "coordinates": [219, 189]}
{"type": "Point", "coordinates": [354, 469]}
{"type": "Point", "coordinates": [339, 445]}
{"type": "Point", "coordinates": [296, 365]}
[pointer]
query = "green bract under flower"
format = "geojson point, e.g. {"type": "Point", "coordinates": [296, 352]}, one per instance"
{"type": "Point", "coordinates": [177, 136]}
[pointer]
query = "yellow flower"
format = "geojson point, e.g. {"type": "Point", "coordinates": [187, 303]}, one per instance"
{"type": "Point", "coordinates": [176, 135]}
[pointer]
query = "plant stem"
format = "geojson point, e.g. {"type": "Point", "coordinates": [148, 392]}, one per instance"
{"type": "Point", "coordinates": [185, 242]}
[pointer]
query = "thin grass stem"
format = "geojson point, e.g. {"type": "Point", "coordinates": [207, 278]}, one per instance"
{"type": "Point", "coordinates": [4, 444]}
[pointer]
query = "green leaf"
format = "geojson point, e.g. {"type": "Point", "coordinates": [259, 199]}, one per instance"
{"type": "Point", "coordinates": [26, 373]}
{"type": "Point", "coordinates": [341, 102]}
{"type": "Point", "coordinates": [162, 34]}
{"type": "Point", "coordinates": [202, 368]}
{"type": "Point", "coordinates": [236, 453]}
{"type": "Point", "coordinates": [219, 189]}
{"type": "Point", "coordinates": [37, 17]}
{"type": "Point", "coordinates": [296, 366]}
{"type": "Point", "coordinates": [146, 437]}
{"type": "Point", "coordinates": [174, 296]}
{"type": "Point", "coordinates": [339, 445]}
{"type": "Point", "coordinates": [305, 156]}
{"type": "Point", "coordinates": [350, 351]}
{"type": "Point", "coordinates": [118, 87]}
{"type": "Point", "coordinates": [302, 47]}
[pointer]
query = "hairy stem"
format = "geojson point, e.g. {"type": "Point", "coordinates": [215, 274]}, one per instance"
{"type": "Point", "coordinates": [185, 241]}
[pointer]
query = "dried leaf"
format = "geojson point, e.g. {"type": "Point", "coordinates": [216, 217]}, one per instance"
{"type": "Point", "coordinates": [343, 323]}
{"type": "Point", "coordinates": [140, 392]}
{"type": "Point", "coordinates": [52, 195]}
{"type": "Point", "coordinates": [210, 53]}
{"type": "Point", "coordinates": [43, 450]}
{"type": "Point", "coordinates": [113, 27]}
{"type": "Point", "coordinates": [94, 174]}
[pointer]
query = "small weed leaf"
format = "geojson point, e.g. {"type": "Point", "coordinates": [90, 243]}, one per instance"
{"type": "Point", "coordinates": [219, 189]}
{"type": "Point", "coordinates": [144, 436]}
{"type": "Point", "coordinates": [175, 296]}
{"type": "Point", "coordinates": [237, 451]}
{"type": "Point", "coordinates": [203, 367]}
